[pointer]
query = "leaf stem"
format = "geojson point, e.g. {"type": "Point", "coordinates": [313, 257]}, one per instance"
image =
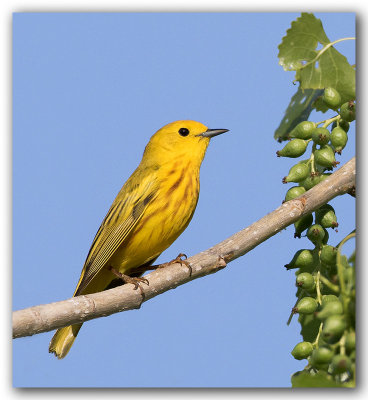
{"type": "Point", "coordinates": [340, 271]}
{"type": "Point", "coordinates": [329, 284]}
{"type": "Point", "coordinates": [324, 49]}
{"type": "Point", "coordinates": [318, 288]}
{"type": "Point", "coordinates": [315, 343]}
{"type": "Point", "coordinates": [311, 159]}
{"type": "Point", "coordinates": [327, 122]}
{"type": "Point", "coordinates": [292, 313]}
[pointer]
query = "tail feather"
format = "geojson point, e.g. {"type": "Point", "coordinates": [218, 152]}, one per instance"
{"type": "Point", "coordinates": [63, 340]}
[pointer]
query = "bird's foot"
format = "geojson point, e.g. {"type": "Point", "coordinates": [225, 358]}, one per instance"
{"type": "Point", "coordinates": [181, 259]}
{"type": "Point", "coordinates": [136, 281]}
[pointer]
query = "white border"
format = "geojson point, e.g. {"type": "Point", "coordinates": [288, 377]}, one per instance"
{"type": "Point", "coordinates": [6, 9]}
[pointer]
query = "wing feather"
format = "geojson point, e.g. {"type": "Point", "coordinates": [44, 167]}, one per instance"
{"type": "Point", "coordinates": [116, 226]}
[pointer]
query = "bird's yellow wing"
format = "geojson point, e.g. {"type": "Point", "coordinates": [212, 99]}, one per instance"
{"type": "Point", "coordinates": [125, 212]}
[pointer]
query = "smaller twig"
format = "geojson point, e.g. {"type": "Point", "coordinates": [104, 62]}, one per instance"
{"type": "Point", "coordinates": [329, 284]}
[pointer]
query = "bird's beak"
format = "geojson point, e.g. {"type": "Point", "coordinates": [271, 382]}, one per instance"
{"type": "Point", "coordinates": [213, 132]}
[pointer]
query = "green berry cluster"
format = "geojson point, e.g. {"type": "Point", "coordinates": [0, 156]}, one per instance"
{"type": "Point", "coordinates": [325, 279]}
{"type": "Point", "coordinates": [326, 143]}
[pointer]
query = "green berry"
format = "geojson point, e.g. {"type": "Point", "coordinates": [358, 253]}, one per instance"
{"type": "Point", "coordinates": [349, 274]}
{"type": "Point", "coordinates": [303, 130]}
{"type": "Point", "coordinates": [339, 138]}
{"type": "Point", "coordinates": [331, 308]}
{"type": "Point", "coordinates": [327, 207]}
{"type": "Point", "coordinates": [344, 261]}
{"type": "Point", "coordinates": [305, 280]}
{"type": "Point", "coordinates": [326, 217]}
{"type": "Point", "coordinates": [323, 367]}
{"type": "Point", "coordinates": [316, 234]}
{"type": "Point", "coordinates": [320, 356]}
{"type": "Point", "coordinates": [331, 97]}
{"type": "Point", "coordinates": [328, 298]}
{"type": "Point", "coordinates": [302, 350]}
{"type": "Point", "coordinates": [326, 237]}
{"type": "Point", "coordinates": [302, 259]}
{"type": "Point", "coordinates": [311, 181]}
{"type": "Point", "coordinates": [306, 305]}
{"type": "Point", "coordinates": [345, 125]}
{"type": "Point", "coordinates": [328, 255]}
{"type": "Point", "coordinates": [297, 173]}
{"type": "Point", "coordinates": [347, 111]}
{"type": "Point", "coordinates": [321, 136]}
{"type": "Point", "coordinates": [340, 363]}
{"type": "Point", "coordinates": [325, 156]}
{"type": "Point", "coordinates": [333, 328]}
{"type": "Point", "coordinates": [350, 342]}
{"type": "Point", "coordinates": [293, 149]}
{"type": "Point", "coordinates": [302, 224]}
{"type": "Point", "coordinates": [294, 192]}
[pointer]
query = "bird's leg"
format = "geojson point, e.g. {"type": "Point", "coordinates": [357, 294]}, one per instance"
{"type": "Point", "coordinates": [128, 279]}
{"type": "Point", "coordinates": [179, 259]}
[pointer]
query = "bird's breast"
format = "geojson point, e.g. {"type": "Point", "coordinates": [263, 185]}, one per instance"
{"type": "Point", "coordinates": [180, 191]}
{"type": "Point", "coordinates": [176, 199]}
{"type": "Point", "coordinates": [168, 214]}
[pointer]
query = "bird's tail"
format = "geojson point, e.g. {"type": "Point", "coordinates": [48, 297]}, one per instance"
{"type": "Point", "coordinates": [63, 339]}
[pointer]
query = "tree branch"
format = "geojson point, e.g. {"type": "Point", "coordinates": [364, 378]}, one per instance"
{"type": "Point", "coordinates": [48, 317]}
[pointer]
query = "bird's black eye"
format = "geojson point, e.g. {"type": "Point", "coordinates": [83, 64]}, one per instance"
{"type": "Point", "coordinates": [184, 131]}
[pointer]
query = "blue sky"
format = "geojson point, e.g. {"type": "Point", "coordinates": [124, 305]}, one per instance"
{"type": "Point", "coordinates": [88, 92]}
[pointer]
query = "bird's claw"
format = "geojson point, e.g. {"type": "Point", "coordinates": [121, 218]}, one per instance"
{"type": "Point", "coordinates": [136, 281]}
{"type": "Point", "coordinates": [180, 259]}
{"type": "Point", "coordinates": [133, 280]}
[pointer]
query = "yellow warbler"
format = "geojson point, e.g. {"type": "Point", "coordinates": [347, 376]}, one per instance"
{"type": "Point", "coordinates": [151, 210]}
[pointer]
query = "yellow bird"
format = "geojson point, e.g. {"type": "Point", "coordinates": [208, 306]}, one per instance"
{"type": "Point", "coordinates": [151, 210]}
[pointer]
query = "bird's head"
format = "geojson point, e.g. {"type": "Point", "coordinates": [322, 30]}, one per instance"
{"type": "Point", "coordinates": [184, 138]}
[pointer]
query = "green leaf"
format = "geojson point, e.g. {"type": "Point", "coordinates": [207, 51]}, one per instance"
{"type": "Point", "coordinates": [299, 109]}
{"type": "Point", "coordinates": [310, 326]}
{"type": "Point", "coordinates": [300, 43]}
{"type": "Point", "coordinates": [319, 105]}
{"type": "Point", "coordinates": [315, 69]}
{"type": "Point", "coordinates": [320, 379]}
{"type": "Point", "coordinates": [333, 71]}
